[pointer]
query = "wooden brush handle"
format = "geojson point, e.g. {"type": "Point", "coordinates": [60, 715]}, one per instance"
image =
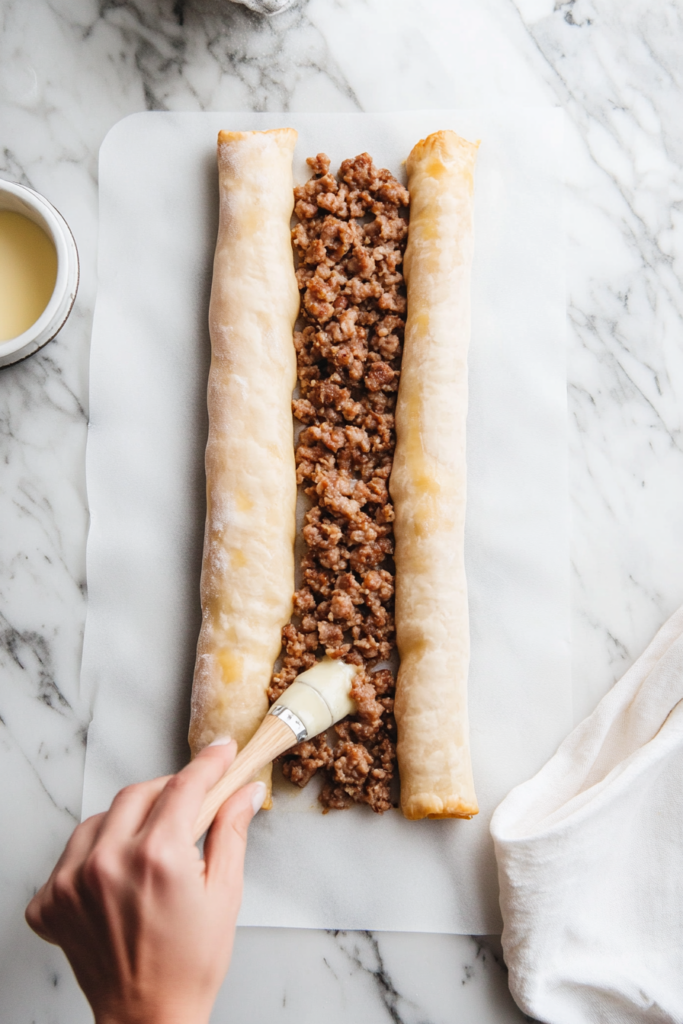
{"type": "Point", "coordinates": [272, 737]}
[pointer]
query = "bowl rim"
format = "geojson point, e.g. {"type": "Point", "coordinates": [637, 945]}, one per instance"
{"type": "Point", "coordinates": [53, 317]}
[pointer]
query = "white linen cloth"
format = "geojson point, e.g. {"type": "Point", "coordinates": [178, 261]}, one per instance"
{"type": "Point", "coordinates": [590, 858]}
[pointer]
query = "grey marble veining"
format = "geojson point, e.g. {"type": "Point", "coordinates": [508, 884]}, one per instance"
{"type": "Point", "coordinates": [615, 68]}
{"type": "Point", "coordinates": [367, 978]}
{"type": "Point", "coordinates": [69, 69]}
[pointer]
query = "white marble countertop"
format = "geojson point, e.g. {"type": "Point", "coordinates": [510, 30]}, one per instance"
{"type": "Point", "coordinates": [69, 69]}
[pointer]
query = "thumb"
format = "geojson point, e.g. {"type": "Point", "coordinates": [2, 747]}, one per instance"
{"type": "Point", "coordinates": [226, 842]}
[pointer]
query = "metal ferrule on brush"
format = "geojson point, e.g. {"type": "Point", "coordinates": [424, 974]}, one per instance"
{"type": "Point", "coordinates": [292, 720]}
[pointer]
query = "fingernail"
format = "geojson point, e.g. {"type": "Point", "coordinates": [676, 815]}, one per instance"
{"type": "Point", "coordinates": [258, 796]}
{"type": "Point", "coordinates": [221, 741]}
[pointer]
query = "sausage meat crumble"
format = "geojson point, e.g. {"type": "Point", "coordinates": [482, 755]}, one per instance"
{"type": "Point", "coordinates": [349, 240]}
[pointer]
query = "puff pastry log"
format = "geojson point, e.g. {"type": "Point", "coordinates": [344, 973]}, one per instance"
{"type": "Point", "coordinates": [248, 566]}
{"type": "Point", "coordinates": [428, 485]}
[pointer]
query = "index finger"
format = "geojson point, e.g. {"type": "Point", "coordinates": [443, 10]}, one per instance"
{"type": "Point", "coordinates": [177, 807]}
{"type": "Point", "coordinates": [129, 810]}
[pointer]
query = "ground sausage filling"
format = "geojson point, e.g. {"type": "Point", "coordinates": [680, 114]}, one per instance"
{"type": "Point", "coordinates": [350, 242]}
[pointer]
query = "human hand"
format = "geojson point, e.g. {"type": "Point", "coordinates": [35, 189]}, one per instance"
{"type": "Point", "coordinates": [147, 925]}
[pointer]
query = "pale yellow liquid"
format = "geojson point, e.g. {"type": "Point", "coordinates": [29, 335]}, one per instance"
{"type": "Point", "coordinates": [28, 271]}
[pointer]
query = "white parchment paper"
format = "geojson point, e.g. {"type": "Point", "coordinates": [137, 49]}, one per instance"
{"type": "Point", "coordinates": [149, 362]}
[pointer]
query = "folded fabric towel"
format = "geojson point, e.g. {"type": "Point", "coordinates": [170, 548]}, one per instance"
{"type": "Point", "coordinates": [590, 858]}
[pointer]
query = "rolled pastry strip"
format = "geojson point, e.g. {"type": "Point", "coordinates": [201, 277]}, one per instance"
{"type": "Point", "coordinates": [428, 486]}
{"type": "Point", "coordinates": [248, 566]}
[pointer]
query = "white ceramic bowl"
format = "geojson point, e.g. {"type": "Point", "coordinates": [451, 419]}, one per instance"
{"type": "Point", "coordinates": [21, 199]}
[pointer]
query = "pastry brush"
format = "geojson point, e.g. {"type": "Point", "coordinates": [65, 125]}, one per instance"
{"type": "Point", "coordinates": [316, 700]}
